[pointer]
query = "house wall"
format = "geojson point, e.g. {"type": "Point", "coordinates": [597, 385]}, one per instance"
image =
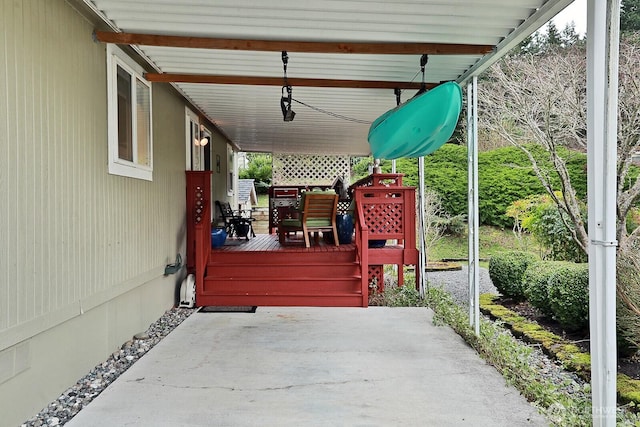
{"type": "Point", "coordinates": [82, 252]}
{"type": "Point", "coordinates": [220, 147]}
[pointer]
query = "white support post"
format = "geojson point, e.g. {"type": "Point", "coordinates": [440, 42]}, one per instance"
{"type": "Point", "coordinates": [422, 261]}
{"type": "Point", "coordinates": [603, 18]}
{"type": "Point", "coordinates": [473, 219]}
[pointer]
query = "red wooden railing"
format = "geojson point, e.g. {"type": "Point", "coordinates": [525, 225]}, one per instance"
{"type": "Point", "coordinates": [385, 211]}
{"type": "Point", "coordinates": [362, 252]}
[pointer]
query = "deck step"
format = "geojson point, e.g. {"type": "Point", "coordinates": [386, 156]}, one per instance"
{"type": "Point", "coordinates": [284, 271]}
{"type": "Point", "coordinates": [287, 285]}
{"type": "Point", "coordinates": [279, 258]}
{"type": "Point", "coordinates": [338, 300]}
{"type": "Point", "coordinates": [262, 272]}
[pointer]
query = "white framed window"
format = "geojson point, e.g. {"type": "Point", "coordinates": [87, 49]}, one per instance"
{"type": "Point", "coordinates": [231, 177]}
{"type": "Point", "coordinates": [129, 117]}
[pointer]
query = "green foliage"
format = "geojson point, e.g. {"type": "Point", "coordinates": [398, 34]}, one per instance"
{"type": "Point", "coordinates": [569, 295]}
{"type": "Point", "coordinates": [453, 226]}
{"type": "Point", "coordinates": [399, 296]}
{"type": "Point", "coordinates": [630, 16]}
{"type": "Point", "coordinates": [505, 175]}
{"type": "Point", "coordinates": [535, 283]}
{"type": "Point", "coordinates": [360, 168]}
{"type": "Point", "coordinates": [541, 216]}
{"type": "Point", "coordinates": [554, 38]}
{"type": "Point", "coordinates": [259, 169]}
{"type": "Point", "coordinates": [507, 271]}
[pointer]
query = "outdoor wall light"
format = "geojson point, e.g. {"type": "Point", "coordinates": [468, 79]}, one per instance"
{"type": "Point", "coordinates": [201, 140]}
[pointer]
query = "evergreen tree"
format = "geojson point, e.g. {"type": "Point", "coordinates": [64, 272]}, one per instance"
{"type": "Point", "coordinates": [554, 37]}
{"type": "Point", "coordinates": [569, 35]}
{"type": "Point", "coordinates": [531, 45]}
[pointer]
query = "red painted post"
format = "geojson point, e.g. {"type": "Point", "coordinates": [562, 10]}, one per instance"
{"type": "Point", "coordinates": [198, 187]}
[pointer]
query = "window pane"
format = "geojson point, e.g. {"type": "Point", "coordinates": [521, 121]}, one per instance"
{"type": "Point", "coordinates": [125, 128]}
{"type": "Point", "coordinates": [143, 108]}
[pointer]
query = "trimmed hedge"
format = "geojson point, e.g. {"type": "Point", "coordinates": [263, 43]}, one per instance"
{"type": "Point", "coordinates": [569, 296]}
{"type": "Point", "coordinates": [535, 283]}
{"type": "Point", "coordinates": [507, 269]}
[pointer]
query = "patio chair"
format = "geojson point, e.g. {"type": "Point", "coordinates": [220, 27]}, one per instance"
{"type": "Point", "coordinates": [235, 224]}
{"type": "Point", "coordinates": [318, 214]}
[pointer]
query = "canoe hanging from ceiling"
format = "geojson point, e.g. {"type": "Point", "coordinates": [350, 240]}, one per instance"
{"type": "Point", "coordinates": [419, 126]}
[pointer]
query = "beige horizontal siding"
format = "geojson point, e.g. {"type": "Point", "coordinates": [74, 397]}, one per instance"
{"type": "Point", "coordinates": [68, 230]}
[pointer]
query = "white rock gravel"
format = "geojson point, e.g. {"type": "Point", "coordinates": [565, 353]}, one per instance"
{"type": "Point", "coordinates": [61, 410]}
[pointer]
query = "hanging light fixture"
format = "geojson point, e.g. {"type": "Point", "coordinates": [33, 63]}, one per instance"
{"type": "Point", "coordinates": [201, 140]}
{"type": "Point", "coordinates": [285, 101]}
{"type": "Point", "coordinates": [423, 62]}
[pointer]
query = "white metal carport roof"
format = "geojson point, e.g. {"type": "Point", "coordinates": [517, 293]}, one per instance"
{"type": "Point", "coordinates": [250, 115]}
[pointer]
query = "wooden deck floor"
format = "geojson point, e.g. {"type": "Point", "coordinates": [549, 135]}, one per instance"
{"type": "Point", "coordinates": [270, 243]}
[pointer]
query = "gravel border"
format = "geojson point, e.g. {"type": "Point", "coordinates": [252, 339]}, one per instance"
{"type": "Point", "coordinates": [65, 407]}
{"type": "Point", "coordinates": [456, 283]}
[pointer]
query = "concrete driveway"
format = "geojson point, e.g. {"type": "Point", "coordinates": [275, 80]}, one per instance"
{"type": "Point", "coordinates": [285, 366]}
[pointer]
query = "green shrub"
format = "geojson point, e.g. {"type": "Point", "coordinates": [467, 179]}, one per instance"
{"type": "Point", "coordinates": [453, 226]}
{"type": "Point", "coordinates": [535, 284]}
{"type": "Point", "coordinates": [548, 227]}
{"type": "Point", "coordinates": [569, 295]}
{"type": "Point", "coordinates": [507, 269]}
{"type": "Point", "coordinates": [504, 176]}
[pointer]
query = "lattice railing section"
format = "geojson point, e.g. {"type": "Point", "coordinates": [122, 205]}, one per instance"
{"type": "Point", "coordinates": [376, 278]}
{"type": "Point", "coordinates": [301, 169]}
{"type": "Point", "coordinates": [385, 210]}
{"type": "Point", "coordinates": [384, 219]}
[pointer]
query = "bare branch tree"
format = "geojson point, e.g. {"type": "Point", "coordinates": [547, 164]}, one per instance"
{"type": "Point", "coordinates": [542, 99]}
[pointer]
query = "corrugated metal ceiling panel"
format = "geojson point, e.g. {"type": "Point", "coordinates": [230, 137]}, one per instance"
{"type": "Point", "coordinates": [251, 116]}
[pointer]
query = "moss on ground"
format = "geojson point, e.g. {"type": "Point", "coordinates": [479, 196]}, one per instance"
{"type": "Point", "coordinates": [628, 389]}
{"type": "Point", "coordinates": [570, 355]}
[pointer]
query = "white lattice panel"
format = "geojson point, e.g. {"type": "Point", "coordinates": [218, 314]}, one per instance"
{"type": "Point", "coordinates": [301, 169]}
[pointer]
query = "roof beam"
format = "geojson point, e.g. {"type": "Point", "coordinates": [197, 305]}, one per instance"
{"type": "Point", "coordinates": [293, 46]}
{"type": "Point", "coordinates": [278, 81]}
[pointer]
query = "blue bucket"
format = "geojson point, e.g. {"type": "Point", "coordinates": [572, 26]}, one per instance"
{"type": "Point", "coordinates": [218, 237]}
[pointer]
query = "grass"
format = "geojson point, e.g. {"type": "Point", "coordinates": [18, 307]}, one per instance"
{"type": "Point", "coordinates": [492, 240]}
{"type": "Point", "coordinates": [263, 201]}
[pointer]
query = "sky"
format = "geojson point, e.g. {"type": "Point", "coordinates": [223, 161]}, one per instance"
{"type": "Point", "coordinates": [576, 12]}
